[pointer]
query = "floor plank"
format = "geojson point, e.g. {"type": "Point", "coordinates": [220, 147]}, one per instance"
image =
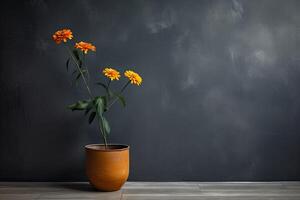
{"type": "Point", "coordinates": [205, 198]}
{"type": "Point", "coordinates": [153, 191]}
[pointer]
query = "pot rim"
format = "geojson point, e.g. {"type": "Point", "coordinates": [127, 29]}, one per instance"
{"type": "Point", "coordinates": [119, 147]}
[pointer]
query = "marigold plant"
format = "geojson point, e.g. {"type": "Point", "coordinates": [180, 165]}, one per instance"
{"type": "Point", "coordinates": [95, 106]}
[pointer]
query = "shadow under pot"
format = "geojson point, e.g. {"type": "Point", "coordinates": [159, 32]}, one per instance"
{"type": "Point", "coordinates": [107, 168]}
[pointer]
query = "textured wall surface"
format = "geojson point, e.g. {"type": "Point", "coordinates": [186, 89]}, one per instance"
{"type": "Point", "coordinates": [220, 99]}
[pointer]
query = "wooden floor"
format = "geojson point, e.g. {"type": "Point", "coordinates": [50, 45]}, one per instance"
{"type": "Point", "coordinates": [154, 191]}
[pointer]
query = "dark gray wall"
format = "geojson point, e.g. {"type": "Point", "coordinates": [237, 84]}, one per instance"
{"type": "Point", "coordinates": [220, 99]}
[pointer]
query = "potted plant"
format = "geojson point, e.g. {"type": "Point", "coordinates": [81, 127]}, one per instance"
{"type": "Point", "coordinates": [107, 165]}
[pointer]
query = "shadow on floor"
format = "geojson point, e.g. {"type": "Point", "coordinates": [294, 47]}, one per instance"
{"type": "Point", "coordinates": [85, 187]}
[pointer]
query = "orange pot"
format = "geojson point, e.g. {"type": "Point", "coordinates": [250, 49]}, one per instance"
{"type": "Point", "coordinates": [107, 168]}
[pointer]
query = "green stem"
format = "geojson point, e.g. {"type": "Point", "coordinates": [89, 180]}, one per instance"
{"type": "Point", "coordinates": [105, 142]}
{"type": "Point", "coordinates": [103, 133]}
{"type": "Point", "coordinates": [107, 91]}
{"type": "Point", "coordinates": [89, 92]}
{"type": "Point", "coordinates": [124, 87]}
{"type": "Point", "coordinates": [121, 91]}
{"type": "Point", "coordinates": [81, 73]}
{"type": "Point", "coordinates": [88, 73]}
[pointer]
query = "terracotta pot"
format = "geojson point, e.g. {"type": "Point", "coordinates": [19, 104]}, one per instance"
{"type": "Point", "coordinates": [107, 169]}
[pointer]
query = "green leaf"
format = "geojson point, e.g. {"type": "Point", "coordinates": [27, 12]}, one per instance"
{"type": "Point", "coordinates": [72, 106]}
{"type": "Point", "coordinates": [67, 64]}
{"type": "Point", "coordinates": [89, 107]}
{"type": "Point", "coordinates": [105, 125]}
{"type": "Point", "coordinates": [80, 105]}
{"type": "Point", "coordinates": [92, 116]}
{"type": "Point", "coordinates": [101, 125]}
{"type": "Point", "coordinates": [104, 98]}
{"type": "Point", "coordinates": [100, 104]}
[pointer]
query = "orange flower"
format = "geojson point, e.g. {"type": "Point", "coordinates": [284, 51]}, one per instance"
{"type": "Point", "coordinates": [62, 35]}
{"type": "Point", "coordinates": [84, 46]}
{"type": "Point", "coordinates": [111, 73]}
{"type": "Point", "coordinates": [133, 77]}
